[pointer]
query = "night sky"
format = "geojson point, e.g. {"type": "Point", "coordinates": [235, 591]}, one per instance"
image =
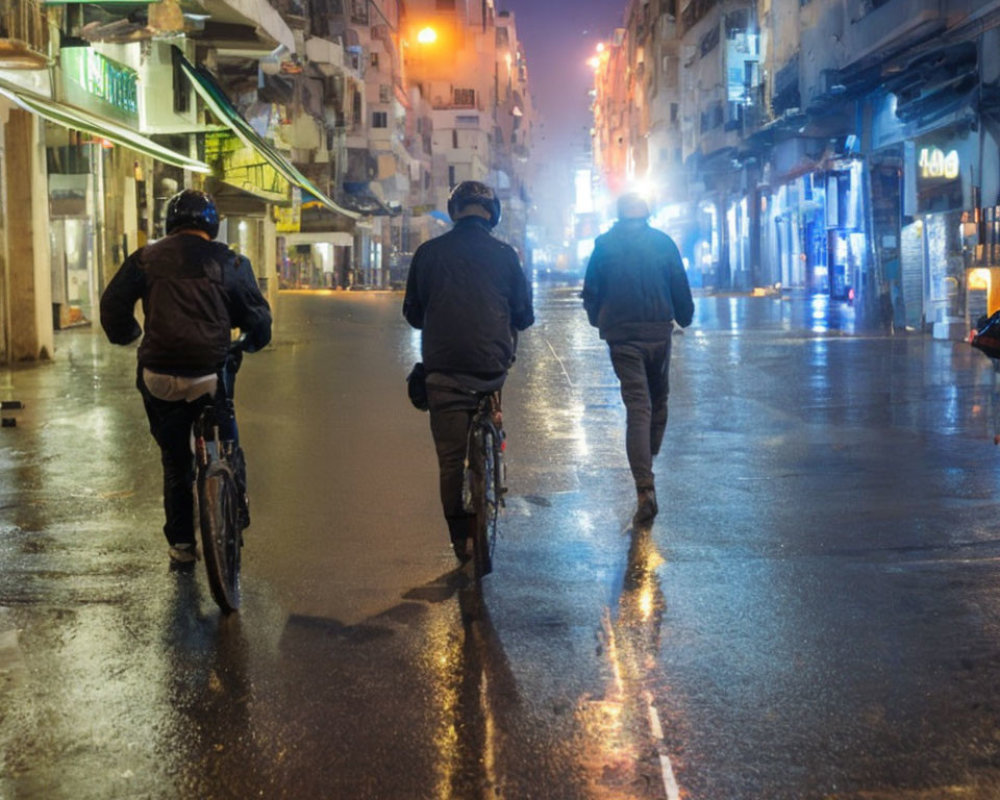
{"type": "Point", "coordinates": [559, 37]}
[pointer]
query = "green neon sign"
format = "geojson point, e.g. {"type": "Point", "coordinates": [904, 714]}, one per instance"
{"type": "Point", "coordinates": [91, 79]}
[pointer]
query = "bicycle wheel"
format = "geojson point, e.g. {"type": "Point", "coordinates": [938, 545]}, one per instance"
{"type": "Point", "coordinates": [218, 515]}
{"type": "Point", "coordinates": [487, 499]}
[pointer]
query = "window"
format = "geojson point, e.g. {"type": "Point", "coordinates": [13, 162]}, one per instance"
{"type": "Point", "coordinates": [451, 176]}
{"type": "Point", "coordinates": [709, 42]}
{"type": "Point", "coordinates": [355, 106]}
{"type": "Point", "coordinates": [454, 139]}
{"type": "Point", "coordinates": [182, 91]}
{"type": "Point", "coordinates": [380, 119]}
{"type": "Point", "coordinates": [373, 59]}
{"type": "Point", "coordinates": [385, 93]}
{"type": "Point", "coordinates": [359, 12]}
{"type": "Point", "coordinates": [445, 5]}
{"type": "Point", "coordinates": [465, 97]}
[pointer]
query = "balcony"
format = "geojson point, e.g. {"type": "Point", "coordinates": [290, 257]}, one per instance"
{"type": "Point", "coordinates": [24, 35]}
{"type": "Point", "coordinates": [881, 29]}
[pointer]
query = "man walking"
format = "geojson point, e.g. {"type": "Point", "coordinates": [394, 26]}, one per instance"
{"type": "Point", "coordinates": [468, 295]}
{"type": "Point", "coordinates": [634, 290]}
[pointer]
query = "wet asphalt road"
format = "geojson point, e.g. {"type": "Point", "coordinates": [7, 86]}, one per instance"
{"type": "Point", "coordinates": [814, 614]}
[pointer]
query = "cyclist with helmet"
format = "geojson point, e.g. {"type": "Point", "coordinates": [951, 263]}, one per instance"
{"type": "Point", "coordinates": [467, 293]}
{"type": "Point", "coordinates": [194, 291]}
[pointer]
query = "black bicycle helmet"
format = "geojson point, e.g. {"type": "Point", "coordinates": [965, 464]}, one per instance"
{"type": "Point", "coordinates": [192, 210]}
{"type": "Point", "coordinates": [474, 193]}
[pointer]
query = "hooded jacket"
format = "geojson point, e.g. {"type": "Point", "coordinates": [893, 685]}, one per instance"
{"type": "Point", "coordinates": [193, 293]}
{"type": "Point", "coordinates": [635, 286]}
{"type": "Point", "coordinates": [468, 294]}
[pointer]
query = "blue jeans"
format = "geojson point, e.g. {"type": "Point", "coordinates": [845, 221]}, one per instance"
{"type": "Point", "coordinates": [643, 371]}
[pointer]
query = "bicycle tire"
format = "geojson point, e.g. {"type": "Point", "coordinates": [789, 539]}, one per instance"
{"type": "Point", "coordinates": [222, 539]}
{"type": "Point", "coordinates": [486, 499]}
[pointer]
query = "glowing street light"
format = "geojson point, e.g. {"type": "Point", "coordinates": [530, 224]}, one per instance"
{"type": "Point", "coordinates": [427, 35]}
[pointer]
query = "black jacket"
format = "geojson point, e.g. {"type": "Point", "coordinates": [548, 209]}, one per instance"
{"type": "Point", "coordinates": [193, 292]}
{"type": "Point", "coordinates": [636, 286]}
{"type": "Point", "coordinates": [468, 294]}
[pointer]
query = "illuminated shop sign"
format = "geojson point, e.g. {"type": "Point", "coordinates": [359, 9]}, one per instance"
{"type": "Point", "coordinates": [935, 163]}
{"type": "Point", "coordinates": [938, 174]}
{"type": "Point", "coordinates": [92, 81]}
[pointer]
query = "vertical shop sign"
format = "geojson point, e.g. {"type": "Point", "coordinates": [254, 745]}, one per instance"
{"type": "Point", "coordinates": [288, 219]}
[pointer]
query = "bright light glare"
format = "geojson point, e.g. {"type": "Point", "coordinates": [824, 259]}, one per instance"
{"type": "Point", "coordinates": [644, 187]}
{"type": "Point", "coordinates": [427, 36]}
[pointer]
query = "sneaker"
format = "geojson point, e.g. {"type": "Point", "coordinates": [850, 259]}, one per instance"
{"type": "Point", "coordinates": [647, 508]}
{"type": "Point", "coordinates": [183, 553]}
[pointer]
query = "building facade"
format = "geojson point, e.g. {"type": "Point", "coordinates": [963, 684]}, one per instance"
{"type": "Point", "coordinates": [325, 139]}
{"type": "Point", "coordinates": [841, 147]}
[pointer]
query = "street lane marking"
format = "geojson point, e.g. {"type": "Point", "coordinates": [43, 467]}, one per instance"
{"type": "Point", "coordinates": [670, 786]}
{"type": "Point", "coordinates": [562, 366]}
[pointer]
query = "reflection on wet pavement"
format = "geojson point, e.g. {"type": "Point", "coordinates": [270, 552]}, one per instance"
{"type": "Point", "coordinates": [811, 617]}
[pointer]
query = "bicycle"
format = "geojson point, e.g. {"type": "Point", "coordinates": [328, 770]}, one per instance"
{"type": "Point", "coordinates": [221, 507]}
{"type": "Point", "coordinates": [483, 486]}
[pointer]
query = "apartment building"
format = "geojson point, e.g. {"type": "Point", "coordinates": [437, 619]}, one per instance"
{"type": "Point", "coordinates": [329, 138]}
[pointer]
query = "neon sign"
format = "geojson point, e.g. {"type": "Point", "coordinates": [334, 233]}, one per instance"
{"type": "Point", "coordinates": [99, 78]}
{"type": "Point", "coordinates": [935, 163]}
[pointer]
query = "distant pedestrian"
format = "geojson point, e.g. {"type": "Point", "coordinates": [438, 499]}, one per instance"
{"type": "Point", "coordinates": [468, 295]}
{"type": "Point", "coordinates": [634, 290]}
{"type": "Point", "coordinates": [194, 291]}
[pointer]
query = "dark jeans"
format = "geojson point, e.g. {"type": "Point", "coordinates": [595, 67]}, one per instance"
{"type": "Point", "coordinates": [170, 423]}
{"type": "Point", "coordinates": [451, 412]}
{"type": "Point", "coordinates": [643, 369]}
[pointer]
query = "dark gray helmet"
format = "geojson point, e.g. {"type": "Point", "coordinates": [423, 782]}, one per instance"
{"type": "Point", "coordinates": [469, 193]}
{"type": "Point", "coordinates": [193, 210]}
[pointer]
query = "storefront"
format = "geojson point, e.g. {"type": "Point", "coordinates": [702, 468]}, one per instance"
{"type": "Point", "coordinates": [315, 260]}
{"type": "Point", "coordinates": [938, 169]}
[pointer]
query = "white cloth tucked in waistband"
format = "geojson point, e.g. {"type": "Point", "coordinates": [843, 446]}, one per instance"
{"type": "Point", "coordinates": [172, 388]}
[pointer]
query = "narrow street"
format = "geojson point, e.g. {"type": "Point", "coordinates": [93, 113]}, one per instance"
{"type": "Point", "coordinates": [815, 614]}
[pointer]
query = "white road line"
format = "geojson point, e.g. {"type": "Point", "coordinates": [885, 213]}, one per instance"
{"type": "Point", "coordinates": [561, 365]}
{"type": "Point", "coordinates": [670, 786]}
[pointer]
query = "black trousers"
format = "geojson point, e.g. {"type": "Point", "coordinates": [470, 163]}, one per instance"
{"type": "Point", "coordinates": [451, 412]}
{"type": "Point", "coordinates": [170, 423]}
{"type": "Point", "coordinates": [643, 371]}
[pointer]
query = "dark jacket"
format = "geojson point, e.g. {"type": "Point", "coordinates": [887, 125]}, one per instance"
{"type": "Point", "coordinates": [193, 292]}
{"type": "Point", "coordinates": [468, 294]}
{"type": "Point", "coordinates": [636, 286]}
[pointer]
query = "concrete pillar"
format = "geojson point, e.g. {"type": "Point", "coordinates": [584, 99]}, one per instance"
{"type": "Point", "coordinates": [267, 268]}
{"type": "Point", "coordinates": [30, 299]}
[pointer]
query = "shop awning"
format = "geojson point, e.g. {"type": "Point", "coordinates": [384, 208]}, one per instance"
{"type": "Point", "coordinates": [222, 107]}
{"type": "Point", "coordinates": [79, 120]}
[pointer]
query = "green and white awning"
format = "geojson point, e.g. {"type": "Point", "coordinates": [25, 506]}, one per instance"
{"type": "Point", "coordinates": [79, 119]}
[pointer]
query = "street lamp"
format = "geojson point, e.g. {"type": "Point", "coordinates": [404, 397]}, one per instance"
{"type": "Point", "coordinates": [427, 35]}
